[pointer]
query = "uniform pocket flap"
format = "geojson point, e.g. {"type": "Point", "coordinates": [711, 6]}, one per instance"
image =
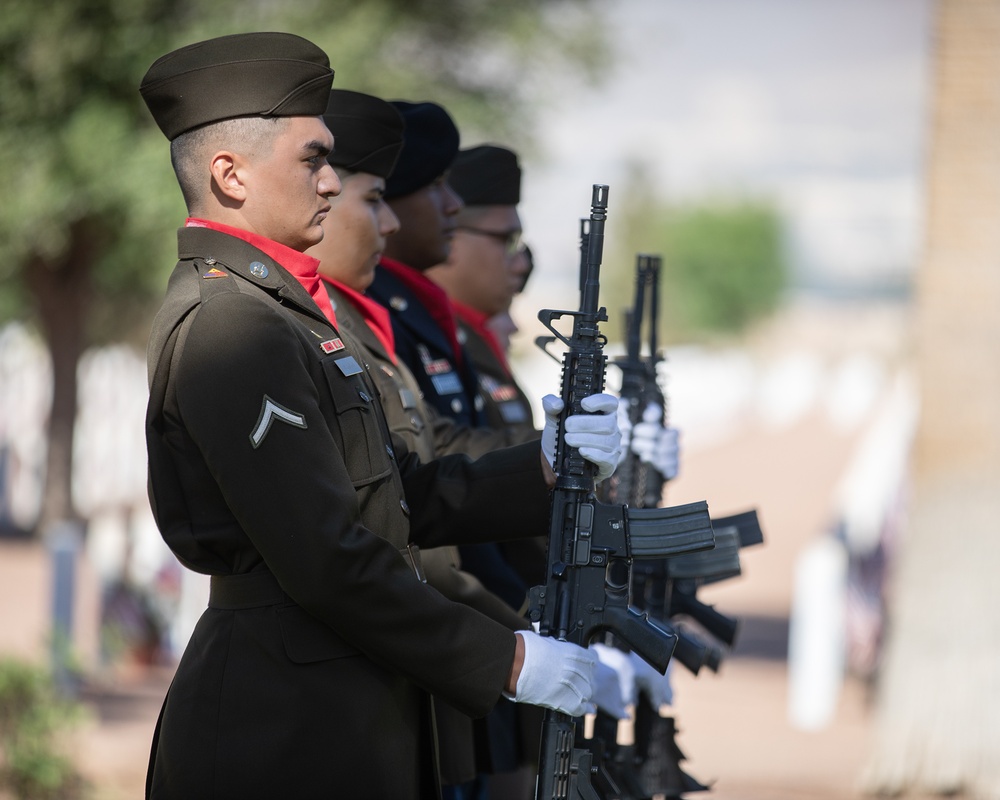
{"type": "Point", "coordinates": [307, 639]}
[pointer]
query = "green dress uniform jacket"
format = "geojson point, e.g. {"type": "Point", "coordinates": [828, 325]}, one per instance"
{"type": "Point", "coordinates": [272, 470]}
{"type": "Point", "coordinates": [505, 405]}
{"type": "Point", "coordinates": [446, 378]}
{"type": "Point", "coordinates": [428, 435]}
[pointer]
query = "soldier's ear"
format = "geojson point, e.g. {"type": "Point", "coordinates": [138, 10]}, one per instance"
{"type": "Point", "coordinates": [227, 170]}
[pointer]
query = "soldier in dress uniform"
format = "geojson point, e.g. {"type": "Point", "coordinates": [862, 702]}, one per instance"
{"type": "Point", "coordinates": [486, 266]}
{"type": "Point", "coordinates": [271, 469]}
{"type": "Point", "coordinates": [423, 321]}
{"type": "Point", "coordinates": [502, 325]}
{"type": "Point", "coordinates": [484, 270]}
{"type": "Point", "coordinates": [427, 339]}
{"type": "Point", "coordinates": [369, 134]}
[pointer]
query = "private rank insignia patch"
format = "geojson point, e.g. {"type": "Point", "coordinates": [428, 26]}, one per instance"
{"type": "Point", "coordinates": [215, 273]}
{"type": "Point", "coordinates": [271, 411]}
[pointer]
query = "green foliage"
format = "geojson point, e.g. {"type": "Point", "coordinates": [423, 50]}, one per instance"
{"type": "Point", "coordinates": [723, 262]}
{"type": "Point", "coordinates": [87, 232]}
{"type": "Point", "coordinates": [31, 718]}
{"type": "Point", "coordinates": [79, 152]}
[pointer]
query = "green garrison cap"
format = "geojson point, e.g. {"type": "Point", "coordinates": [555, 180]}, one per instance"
{"type": "Point", "coordinates": [367, 132]}
{"type": "Point", "coordinates": [486, 176]}
{"type": "Point", "coordinates": [242, 75]}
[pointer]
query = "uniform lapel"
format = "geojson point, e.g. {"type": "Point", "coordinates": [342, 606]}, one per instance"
{"type": "Point", "coordinates": [408, 311]}
{"type": "Point", "coordinates": [349, 318]}
{"type": "Point", "coordinates": [253, 265]}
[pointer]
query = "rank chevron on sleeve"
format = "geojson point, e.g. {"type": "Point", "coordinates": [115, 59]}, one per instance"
{"type": "Point", "coordinates": [269, 412]}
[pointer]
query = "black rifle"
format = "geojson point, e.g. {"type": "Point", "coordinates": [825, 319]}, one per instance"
{"type": "Point", "coordinates": [670, 588]}
{"type": "Point", "coordinates": [667, 587]}
{"type": "Point", "coordinates": [635, 482]}
{"type": "Point", "coordinates": [686, 573]}
{"type": "Point", "coordinates": [591, 544]}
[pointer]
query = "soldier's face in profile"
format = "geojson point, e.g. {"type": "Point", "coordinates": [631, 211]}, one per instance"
{"type": "Point", "coordinates": [288, 189]}
{"type": "Point", "coordinates": [483, 259]}
{"type": "Point", "coordinates": [426, 224]}
{"type": "Point", "coordinates": [356, 231]}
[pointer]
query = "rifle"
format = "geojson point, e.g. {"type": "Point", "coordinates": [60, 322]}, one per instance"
{"type": "Point", "coordinates": [636, 482]}
{"type": "Point", "coordinates": [686, 573]}
{"type": "Point", "coordinates": [667, 587]}
{"type": "Point", "coordinates": [670, 589]}
{"type": "Point", "coordinates": [592, 544]}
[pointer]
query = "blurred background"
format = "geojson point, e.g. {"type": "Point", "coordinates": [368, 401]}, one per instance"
{"type": "Point", "coordinates": [822, 180]}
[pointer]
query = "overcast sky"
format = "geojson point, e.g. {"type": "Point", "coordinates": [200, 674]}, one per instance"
{"type": "Point", "coordinates": [818, 104]}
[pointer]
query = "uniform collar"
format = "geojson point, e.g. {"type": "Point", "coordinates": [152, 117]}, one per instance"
{"type": "Point", "coordinates": [238, 252]}
{"type": "Point", "coordinates": [431, 296]}
{"type": "Point", "coordinates": [295, 262]}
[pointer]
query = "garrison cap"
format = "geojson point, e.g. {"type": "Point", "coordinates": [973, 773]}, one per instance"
{"type": "Point", "coordinates": [242, 75]}
{"type": "Point", "coordinates": [430, 143]}
{"type": "Point", "coordinates": [486, 176]}
{"type": "Point", "coordinates": [367, 132]}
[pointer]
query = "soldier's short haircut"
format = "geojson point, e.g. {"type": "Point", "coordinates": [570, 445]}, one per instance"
{"type": "Point", "coordinates": [252, 137]}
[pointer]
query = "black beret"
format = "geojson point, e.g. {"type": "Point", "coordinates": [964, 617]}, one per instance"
{"type": "Point", "coordinates": [243, 75]}
{"type": "Point", "coordinates": [430, 143]}
{"type": "Point", "coordinates": [486, 176]}
{"type": "Point", "coordinates": [367, 132]}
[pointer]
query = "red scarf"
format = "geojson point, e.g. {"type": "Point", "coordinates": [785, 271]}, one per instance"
{"type": "Point", "coordinates": [432, 297]}
{"type": "Point", "coordinates": [376, 315]}
{"type": "Point", "coordinates": [477, 321]}
{"type": "Point", "coordinates": [302, 267]}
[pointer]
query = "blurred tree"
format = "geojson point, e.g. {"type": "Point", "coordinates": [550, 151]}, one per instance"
{"type": "Point", "coordinates": [87, 229]}
{"type": "Point", "coordinates": [723, 265]}
{"type": "Point", "coordinates": [723, 261]}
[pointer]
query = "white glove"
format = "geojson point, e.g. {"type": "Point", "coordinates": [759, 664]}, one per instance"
{"type": "Point", "coordinates": [655, 685]}
{"type": "Point", "coordinates": [619, 661]}
{"type": "Point", "coordinates": [595, 435]}
{"type": "Point", "coordinates": [608, 695]}
{"type": "Point", "coordinates": [555, 674]}
{"type": "Point", "coordinates": [625, 426]}
{"type": "Point", "coordinates": [655, 444]}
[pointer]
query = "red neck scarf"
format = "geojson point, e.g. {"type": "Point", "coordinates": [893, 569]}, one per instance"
{"type": "Point", "coordinates": [431, 296]}
{"type": "Point", "coordinates": [477, 321]}
{"type": "Point", "coordinates": [375, 315]}
{"type": "Point", "coordinates": [302, 267]}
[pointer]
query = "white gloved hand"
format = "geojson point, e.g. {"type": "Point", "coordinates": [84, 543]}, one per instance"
{"type": "Point", "coordinates": [619, 661]}
{"type": "Point", "coordinates": [595, 435]}
{"type": "Point", "coordinates": [555, 674]}
{"type": "Point", "coordinates": [656, 686]}
{"type": "Point", "coordinates": [655, 444]}
{"type": "Point", "coordinates": [552, 406]}
{"type": "Point", "coordinates": [608, 695]}
{"type": "Point", "coordinates": [625, 426]}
